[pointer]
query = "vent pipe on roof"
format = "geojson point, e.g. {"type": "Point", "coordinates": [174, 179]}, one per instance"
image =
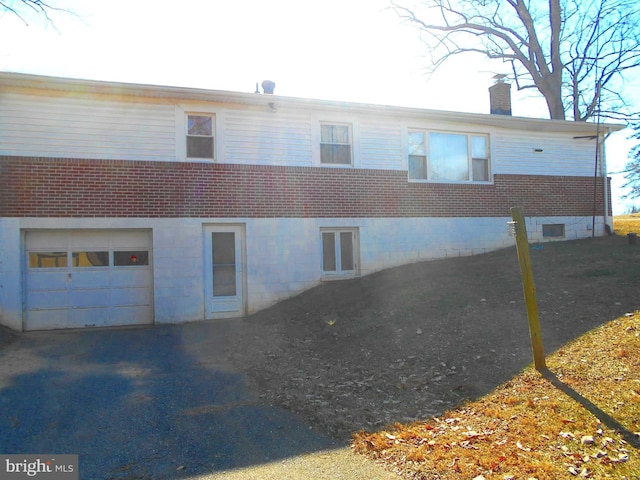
{"type": "Point", "coordinates": [500, 97]}
{"type": "Point", "coordinates": [268, 86]}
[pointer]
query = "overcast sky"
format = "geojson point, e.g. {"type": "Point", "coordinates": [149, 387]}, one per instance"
{"type": "Point", "coordinates": [351, 50]}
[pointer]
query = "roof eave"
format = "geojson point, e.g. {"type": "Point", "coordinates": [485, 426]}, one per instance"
{"type": "Point", "coordinates": [95, 87]}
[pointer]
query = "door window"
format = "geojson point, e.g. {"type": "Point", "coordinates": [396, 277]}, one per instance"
{"type": "Point", "coordinates": [223, 246]}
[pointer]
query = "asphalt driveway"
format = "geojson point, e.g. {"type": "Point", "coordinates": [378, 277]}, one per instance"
{"type": "Point", "coordinates": [159, 402]}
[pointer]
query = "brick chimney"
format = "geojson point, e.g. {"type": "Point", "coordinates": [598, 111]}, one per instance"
{"type": "Point", "coordinates": [500, 98]}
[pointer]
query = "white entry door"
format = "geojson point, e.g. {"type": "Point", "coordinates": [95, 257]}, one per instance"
{"type": "Point", "coordinates": [224, 271]}
{"type": "Point", "coordinates": [87, 278]}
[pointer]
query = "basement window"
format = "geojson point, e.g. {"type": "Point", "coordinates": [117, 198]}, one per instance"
{"type": "Point", "coordinates": [340, 252]}
{"type": "Point", "coordinates": [553, 230]}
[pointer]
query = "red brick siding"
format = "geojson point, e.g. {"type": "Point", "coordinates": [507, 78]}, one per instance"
{"type": "Point", "coordinates": [47, 187]}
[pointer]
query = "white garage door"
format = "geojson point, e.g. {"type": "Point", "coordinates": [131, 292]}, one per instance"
{"type": "Point", "coordinates": [88, 278]}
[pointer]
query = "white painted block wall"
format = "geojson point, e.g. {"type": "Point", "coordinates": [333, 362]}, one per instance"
{"type": "Point", "coordinates": [283, 255]}
{"type": "Point", "coordinates": [10, 274]}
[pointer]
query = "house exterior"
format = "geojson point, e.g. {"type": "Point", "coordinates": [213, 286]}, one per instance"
{"type": "Point", "coordinates": [130, 204]}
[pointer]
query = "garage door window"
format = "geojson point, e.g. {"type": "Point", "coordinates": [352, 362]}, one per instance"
{"type": "Point", "coordinates": [90, 259]}
{"type": "Point", "coordinates": [47, 259]}
{"type": "Point", "coordinates": [131, 258]}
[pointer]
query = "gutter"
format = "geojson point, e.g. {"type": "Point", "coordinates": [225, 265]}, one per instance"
{"type": "Point", "coordinates": [606, 183]}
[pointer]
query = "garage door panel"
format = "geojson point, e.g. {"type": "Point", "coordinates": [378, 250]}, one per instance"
{"type": "Point", "coordinates": [89, 298]}
{"type": "Point", "coordinates": [47, 280]}
{"type": "Point", "coordinates": [130, 239]}
{"type": "Point", "coordinates": [130, 277]}
{"type": "Point", "coordinates": [50, 299]}
{"type": "Point", "coordinates": [131, 315]}
{"type": "Point", "coordinates": [89, 317]}
{"type": "Point", "coordinates": [84, 279]}
{"type": "Point", "coordinates": [95, 238]}
{"type": "Point", "coordinates": [130, 296]}
{"type": "Point", "coordinates": [42, 240]}
{"type": "Point", "coordinates": [47, 319]}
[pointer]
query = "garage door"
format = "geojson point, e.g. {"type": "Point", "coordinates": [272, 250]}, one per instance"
{"type": "Point", "coordinates": [87, 278]}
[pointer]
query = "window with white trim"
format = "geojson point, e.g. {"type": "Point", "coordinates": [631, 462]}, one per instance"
{"type": "Point", "coordinates": [200, 136]}
{"type": "Point", "coordinates": [340, 252]}
{"type": "Point", "coordinates": [335, 144]}
{"type": "Point", "coordinates": [448, 157]}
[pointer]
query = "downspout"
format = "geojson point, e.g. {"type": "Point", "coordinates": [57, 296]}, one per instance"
{"type": "Point", "coordinates": [605, 190]}
{"type": "Point", "coordinates": [596, 166]}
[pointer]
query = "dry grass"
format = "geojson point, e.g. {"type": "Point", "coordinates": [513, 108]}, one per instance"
{"type": "Point", "coordinates": [624, 224]}
{"type": "Point", "coordinates": [579, 422]}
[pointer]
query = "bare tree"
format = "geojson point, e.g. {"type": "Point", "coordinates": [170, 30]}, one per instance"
{"type": "Point", "coordinates": [575, 53]}
{"type": "Point", "coordinates": [25, 8]}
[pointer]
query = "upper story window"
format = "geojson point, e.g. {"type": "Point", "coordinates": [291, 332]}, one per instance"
{"type": "Point", "coordinates": [335, 144]}
{"type": "Point", "coordinates": [200, 141]}
{"type": "Point", "coordinates": [448, 157]}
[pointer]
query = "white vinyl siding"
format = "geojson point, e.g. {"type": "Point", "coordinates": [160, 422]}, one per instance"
{"type": "Point", "coordinates": [380, 145]}
{"type": "Point", "coordinates": [267, 138]}
{"type": "Point", "coordinates": [69, 127]}
{"type": "Point", "coordinates": [561, 155]}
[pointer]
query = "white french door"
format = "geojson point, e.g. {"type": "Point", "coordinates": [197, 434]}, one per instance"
{"type": "Point", "coordinates": [224, 271]}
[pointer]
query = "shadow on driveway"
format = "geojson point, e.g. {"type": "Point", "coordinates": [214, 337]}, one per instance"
{"type": "Point", "coordinates": [159, 402]}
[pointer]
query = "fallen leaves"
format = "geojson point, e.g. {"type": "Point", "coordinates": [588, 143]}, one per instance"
{"type": "Point", "coordinates": [587, 440]}
{"type": "Point", "coordinates": [528, 428]}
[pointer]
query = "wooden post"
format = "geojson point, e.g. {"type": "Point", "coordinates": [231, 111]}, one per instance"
{"type": "Point", "coordinates": [528, 287]}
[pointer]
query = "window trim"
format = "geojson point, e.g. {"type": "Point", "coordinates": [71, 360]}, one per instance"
{"type": "Point", "coordinates": [340, 274]}
{"type": "Point", "coordinates": [319, 143]}
{"type": "Point", "coordinates": [470, 159]}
